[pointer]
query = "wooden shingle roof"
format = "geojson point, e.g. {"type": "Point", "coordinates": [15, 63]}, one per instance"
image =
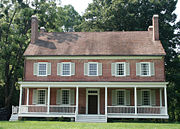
{"type": "Point", "coordinates": [95, 43]}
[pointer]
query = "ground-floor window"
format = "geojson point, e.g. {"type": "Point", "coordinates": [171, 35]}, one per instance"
{"type": "Point", "coordinates": [65, 96]}
{"type": "Point", "coordinates": [120, 97]}
{"type": "Point", "coordinates": [41, 96]}
{"type": "Point", "coordinates": [146, 97]}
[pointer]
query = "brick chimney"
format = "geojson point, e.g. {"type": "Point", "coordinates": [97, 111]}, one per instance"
{"type": "Point", "coordinates": [34, 28]}
{"type": "Point", "coordinates": [155, 27]}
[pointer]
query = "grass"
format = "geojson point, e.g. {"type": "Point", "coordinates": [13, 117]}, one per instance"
{"type": "Point", "coordinates": [73, 125]}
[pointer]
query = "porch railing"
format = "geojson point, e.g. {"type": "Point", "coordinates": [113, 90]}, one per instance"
{"type": "Point", "coordinates": [15, 109]}
{"type": "Point", "coordinates": [44, 109]}
{"type": "Point", "coordinates": [62, 109]}
{"type": "Point", "coordinates": [121, 109]}
{"type": "Point", "coordinates": [152, 110]}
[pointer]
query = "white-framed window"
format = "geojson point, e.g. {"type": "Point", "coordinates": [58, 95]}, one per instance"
{"type": "Point", "coordinates": [42, 68]}
{"type": "Point", "coordinates": [41, 96]}
{"type": "Point", "coordinates": [65, 96]}
{"type": "Point", "coordinates": [66, 69]}
{"type": "Point", "coordinates": [92, 69]}
{"type": "Point", "coordinates": [145, 69]}
{"type": "Point", "coordinates": [121, 97]}
{"type": "Point", "coordinates": [120, 69]}
{"type": "Point", "coordinates": [146, 97]}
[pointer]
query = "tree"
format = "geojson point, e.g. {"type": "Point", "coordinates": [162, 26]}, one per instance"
{"type": "Point", "coordinates": [15, 24]}
{"type": "Point", "coordinates": [14, 27]}
{"type": "Point", "coordinates": [71, 18]}
{"type": "Point", "coordinates": [131, 15]}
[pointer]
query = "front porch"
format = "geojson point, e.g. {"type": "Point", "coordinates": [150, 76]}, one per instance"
{"type": "Point", "coordinates": [94, 101]}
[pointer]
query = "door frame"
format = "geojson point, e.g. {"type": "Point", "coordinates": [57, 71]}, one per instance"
{"type": "Point", "coordinates": [98, 97]}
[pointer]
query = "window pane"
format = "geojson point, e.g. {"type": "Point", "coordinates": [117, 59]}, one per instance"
{"type": "Point", "coordinates": [65, 96]}
{"type": "Point", "coordinates": [41, 96]}
{"type": "Point", "coordinates": [120, 97]}
{"type": "Point", "coordinates": [146, 97]}
{"type": "Point", "coordinates": [120, 69]}
{"type": "Point", "coordinates": [66, 69]}
{"type": "Point", "coordinates": [92, 69]}
{"type": "Point", "coordinates": [144, 69]}
{"type": "Point", "coordinates": [42, 69]}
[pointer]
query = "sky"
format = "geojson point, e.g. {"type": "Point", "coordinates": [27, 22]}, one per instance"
{"type": "Point", "coordinates": [81, 5]}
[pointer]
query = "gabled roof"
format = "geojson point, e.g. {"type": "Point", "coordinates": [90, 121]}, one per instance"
{"type": "Point", "coordinates": [95, 43]}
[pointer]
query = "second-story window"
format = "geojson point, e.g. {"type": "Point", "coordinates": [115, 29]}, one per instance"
{"type": "Point", "coordinates": [145, 69]}
{"type": "Point", "coordinates": [120, 69]}
{"type": "Point", "coordinates": [42, 69]}
{"type": "Point", "coordinates": [93, 69]}
{"type": "Point", "coordinates": [66, 69]}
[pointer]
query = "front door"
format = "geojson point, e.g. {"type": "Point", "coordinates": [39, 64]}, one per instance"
{"type": "Point", "coordinates": [92, 104]}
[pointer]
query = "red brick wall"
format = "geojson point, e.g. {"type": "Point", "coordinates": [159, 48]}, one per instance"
{"type": "Point", "coordinates": [79, 74]}
{"type": "Point", "coordinates": [82, 100]}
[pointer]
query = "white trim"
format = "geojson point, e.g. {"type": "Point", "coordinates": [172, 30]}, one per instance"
{"type": "Point", "coordinates": [27, 99]}
{"type": "Point", "coordinates": [91, 57]}
{"type": "Point", "coordinates": [77, 101]}
{"type": "Point", "coordinates": [96, 68]}
{"type": "Point", "coordinates": [135, 100]}
{"type": "Point", "coordinates": [106, 103]}
{"type": "Point", "coordinates": [116, 63]}
{"type": "Point", "coordinates": [20, 99]}
{"type": "Point", "coordinates": [69, 68]}
{"type": "Point", "coordinates": [99, 84]}
{"type": "Point", "coordinates": [149, 69]}
{"type": "Point", "coordinates": [87, 94]}
{"type": "Point", "coordinates": [48, 103]}
{"type": "Point", "coordinates": [160, 94]}
{"type": "Point", "coordinates": [46, 69]}
{"type": "Point", "coordinates": [165, 101]}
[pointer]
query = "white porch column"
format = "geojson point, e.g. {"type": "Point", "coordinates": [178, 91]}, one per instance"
{"type": "Point", "coordinates": [77, 99]}
{"type": "Point", "coordinates": [20, 99]}
{"type": "Point", "coordinates": [48, 99]}
{"type": "Point", "coordinates": [106, 102]}
{"type": "Point", "coordinates": [165, 100]}
{"type": "Point", "coordinates": [27, 99]}
{"type": "Point", "coordinates": [135, 100]}
{"type": "Point", "coordinates": [160, 97]}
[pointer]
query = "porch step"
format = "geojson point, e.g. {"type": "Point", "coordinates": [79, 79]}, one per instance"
{"type": "Point", "coordinates": [14, 117]}
{"type": "Point", "coordinates": [91, 118]}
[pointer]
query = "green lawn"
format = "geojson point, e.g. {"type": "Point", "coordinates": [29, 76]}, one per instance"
{"type": "Point", "coordinates": [73, 125]}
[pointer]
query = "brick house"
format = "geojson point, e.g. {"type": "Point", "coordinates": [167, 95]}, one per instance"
{"type": "Point", "coordinates": [92, 76]}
